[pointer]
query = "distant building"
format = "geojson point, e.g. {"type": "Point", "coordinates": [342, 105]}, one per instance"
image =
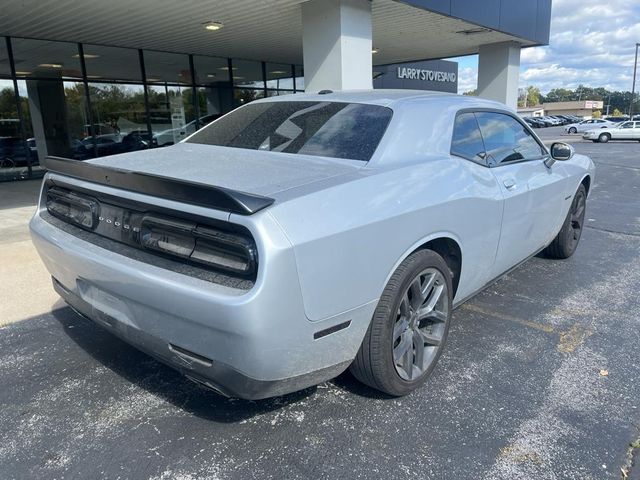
{"type": "Point", "coordinates": [582, 108]}
{"type": "Point", "coordinates": [535, 111]}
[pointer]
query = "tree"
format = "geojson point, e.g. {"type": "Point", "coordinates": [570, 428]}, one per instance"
{"type": "Point", "coordinates": [616, 113]}
{"type": "Point", "coordinates": [530, 97]}
{"type": "Point", "coordinates": [597, 114]}
{"type": "Point", "coordinates": [472, 93]}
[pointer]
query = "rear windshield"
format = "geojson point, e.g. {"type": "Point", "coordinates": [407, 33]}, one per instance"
{"type": "Point", "coordinates": [327, 129]}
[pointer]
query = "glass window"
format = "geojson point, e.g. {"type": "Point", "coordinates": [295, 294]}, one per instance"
{"type": "Point", "coordinates": [279, 76]}
{"type": "Point", "coordinates": [45, 59]}
{"type": "Point", "coordinates": [213, 103]}
{"type": "Point", "coordinates": [111, 63]}
{"type": "Point", "coordinates": [506, 139]}
{"type": "Point", "coordinates": [118, 114]}
{"type": "Point", "coordinates": [11, 141]}
{"type": "Point", "coordinates": [627, 125]}
{"type": "Point", "coordinates": [467, 140]}
{"type": "Point", "coordinates": [247, 73]}
{"type": "Point", "coordinates": [5, 67]}
{"type": "Point", "coordinates": [163, 67]}
{"type": "Point", "coordinates": [242, 96]}
{"type": "Point", "coordinates": [211, 70]}
{"type": "Point", "coordinates": [58, 126]}
{"type": "Point", "coordinates": [172, 114]}
{"type": "Point", "coordinates": [299, 78]}
{"type": "Point", "coordinates": [328, 129]}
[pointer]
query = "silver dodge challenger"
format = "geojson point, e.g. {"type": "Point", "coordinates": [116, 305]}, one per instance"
{"type": "Point", "coordinates": [302, 235]}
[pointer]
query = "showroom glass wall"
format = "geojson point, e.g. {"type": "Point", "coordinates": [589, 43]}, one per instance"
{"type": "Point", "coordinates": [84, 101]}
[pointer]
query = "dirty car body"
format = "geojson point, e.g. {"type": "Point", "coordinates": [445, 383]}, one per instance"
{"type": "Point", "coordinates": [254, 263]}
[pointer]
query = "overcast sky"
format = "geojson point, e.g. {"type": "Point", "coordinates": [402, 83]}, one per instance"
{"type": "Point", "coordinates": [592, 43]}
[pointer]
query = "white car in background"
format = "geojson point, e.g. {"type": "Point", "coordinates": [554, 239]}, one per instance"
{"type": "Point", "coordinates": [621, 131]}
{"type": "Point", "coordinates": [586, 125]}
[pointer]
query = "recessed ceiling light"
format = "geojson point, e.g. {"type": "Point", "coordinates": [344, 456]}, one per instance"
{"type": "Point", "coordinates": [50, 65]}
{"type": "Point", "coordinates": [213, 26]}
{"type": "Point", "coordinates": [153, 79]}
{"type": "Point", "coordinates": [23, 73]}
{"type": "Point", "coordinates": [278, 72]}
{"type": "Point", "coordinates": [375, 50]}
{"type": "Point", "coordinates": [93, 76]}
{"type": "Point", "coordinates": [238, 78]}
{"type": "Point", "coordinates": [211, 75]}
{"type": "Point", "coordinates": [227, 68]}
{"type": "Point", "coordinates": [86, 56]}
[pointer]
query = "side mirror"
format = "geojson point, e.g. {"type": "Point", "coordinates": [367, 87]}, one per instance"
{"type": "Point", "coordinates": [560, 151]}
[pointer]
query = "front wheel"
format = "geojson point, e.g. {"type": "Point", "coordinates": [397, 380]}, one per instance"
{"type": "Point", "coordinates": [573, 130]}
{"type": "Point", "coordinates": [409, 326]}
{"type": "Point", "coordinates": [566, 242]}
{"type": "Point", "coordinates": [604, 137]}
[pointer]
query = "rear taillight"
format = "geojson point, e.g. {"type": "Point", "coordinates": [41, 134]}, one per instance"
{"type": "Point", "coordinates": [70, 207]}
{"type": "Point", "coordinates": [226, 251]}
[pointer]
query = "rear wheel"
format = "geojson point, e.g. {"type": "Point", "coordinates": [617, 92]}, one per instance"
{"type": "Point", "coordinates": [409, 326]}
{"type": "Point", "coordinates": [573, 130]}
{"type": "Point", "coordinates": [566, 242]}
{"type": "Point", "coordinates": [604, 137]}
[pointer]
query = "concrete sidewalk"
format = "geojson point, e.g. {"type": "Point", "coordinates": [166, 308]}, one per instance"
{"type": "Point", "coordinates": [27, 284]}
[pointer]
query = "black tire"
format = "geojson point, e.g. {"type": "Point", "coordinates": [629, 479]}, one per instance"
{"type": "Point", "coordinates": [566, 242]}
{"type": "Point", "coordinates": [573, 130]}
{"type": "Point", "coordinates": [374, 364]}
{"type": "Point", "coordinates": [604, 137]}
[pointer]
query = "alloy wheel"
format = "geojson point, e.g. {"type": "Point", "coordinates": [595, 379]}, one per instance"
{"type": "Point", "coordinates": [577, 219]}
{"type": "Point", "coordinates": [420, 324]}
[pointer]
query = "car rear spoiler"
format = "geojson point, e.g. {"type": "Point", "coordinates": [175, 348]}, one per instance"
{"type": "Point", "coordinates": [168, 188]}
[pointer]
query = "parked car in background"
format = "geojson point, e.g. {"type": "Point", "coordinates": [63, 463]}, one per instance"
{"type": "Point", "coordinates": [532, 122]}
{"type": "Point", "coordinates": [585, 125]}
{"type": "Point", "coordinates": [622, 131]}
{"type": "Point", "coordinates": [175, 135]}
{"type": "Point", "coordinates": [137, 140]}
{"type": "Point", "coordinates": [553, 121]}
{"type": "Point", "coordinates": [296, 237]}
{"type": "Point", "coordinates": [15, 152]}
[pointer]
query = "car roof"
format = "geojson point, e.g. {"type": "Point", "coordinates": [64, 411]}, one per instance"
{"type": "Point", "coordinates": [387, 98]}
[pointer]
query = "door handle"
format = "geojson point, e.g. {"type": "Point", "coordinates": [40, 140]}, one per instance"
{"type": "Point", "coordinates": [509, 184]}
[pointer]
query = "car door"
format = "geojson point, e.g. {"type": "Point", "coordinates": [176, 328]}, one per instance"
{"type": "Point", "coordinates": [624, 132]}
{"type": "Point", "coordinates": [534, 195]}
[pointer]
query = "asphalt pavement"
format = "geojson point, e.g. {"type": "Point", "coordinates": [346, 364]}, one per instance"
{"type": "Point", "coordinates": [540, 380]}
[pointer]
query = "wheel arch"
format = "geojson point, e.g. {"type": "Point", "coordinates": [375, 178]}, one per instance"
{"type": "Point", "coordinates": [445, 244]}
{"type": "Point", "coordinates": [586, 181]}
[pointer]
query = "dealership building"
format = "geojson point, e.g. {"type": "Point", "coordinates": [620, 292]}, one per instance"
{"type": "Point", "coordinates": [94, 78]}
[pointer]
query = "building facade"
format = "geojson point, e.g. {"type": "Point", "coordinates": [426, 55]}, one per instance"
{"type": "Point", "coordinates": [88, 79]}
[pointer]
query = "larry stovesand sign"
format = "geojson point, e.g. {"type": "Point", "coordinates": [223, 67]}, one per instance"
{"type": "Point", "coordinates": [439, 75]}
{"type": "Point", "coordinates": [427, 75]}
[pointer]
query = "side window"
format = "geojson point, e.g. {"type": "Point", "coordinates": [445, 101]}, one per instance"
{"type": "Point", "coordinates": [627, 125]}
{"type": "Point", "coordinates": [467, 141]}
{"type": "Point", "coordinates": [506, 139]}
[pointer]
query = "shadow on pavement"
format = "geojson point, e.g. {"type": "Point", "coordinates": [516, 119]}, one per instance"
{"type": "Point", "coordinates": [159, 379]}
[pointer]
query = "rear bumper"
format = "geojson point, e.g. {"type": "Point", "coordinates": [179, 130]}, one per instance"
{"type": "Point", "coordinates": [209, 373]}
{"type": "Point", "coordinates": [248, 344]}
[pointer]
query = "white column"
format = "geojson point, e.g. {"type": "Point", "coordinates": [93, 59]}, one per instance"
{"type": "Point", "coordinates": [336, 42]}
{"type": "Point", "coordinates": [498, 70]}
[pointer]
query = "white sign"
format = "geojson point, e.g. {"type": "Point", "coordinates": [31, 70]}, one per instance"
{"type": "Point", "coordinates": [177, 119]}
{"type": "Point", "coordinates": [425, 75]}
